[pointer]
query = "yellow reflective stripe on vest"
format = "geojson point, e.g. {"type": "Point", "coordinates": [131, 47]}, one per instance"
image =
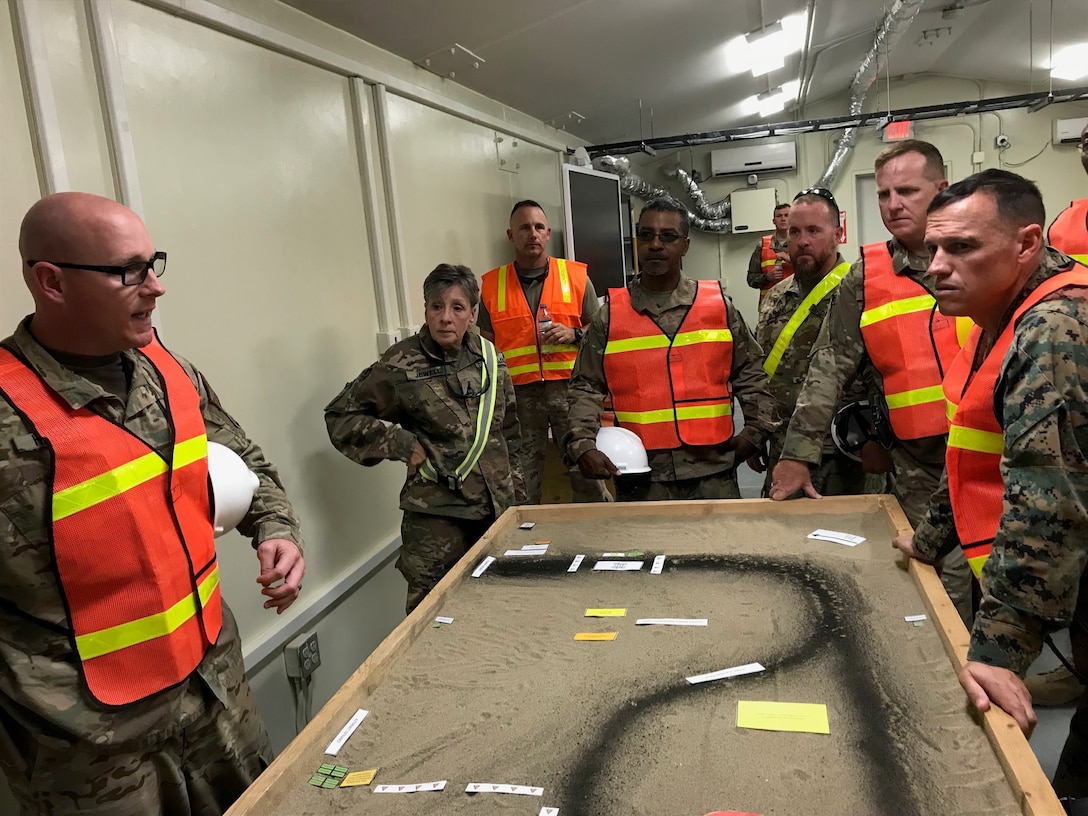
{"type": "Point", "coordinates": [502, 287]}
{"type": "Point", "coordinates": [141, 630]}
{"type": "Point", "coordinates": [559, 348]}
{"type": "Point", "coordinates": [132, 474]}
{"type": "Point", "coordinates": [564, 279]}
{"type": "Point", "coordinates": [520, 352]}
{"type": "Point", "coordinates": [973, 439]}
{"type": "Point", "coordinates": [963, 329]}
{"type": "Point", "coordinates": [703, 336]}
{"type": "Point", "coordinates": [977, 563]}
{"type": "Point", "coordinates": [654, 341]}
{"type": "Point", "coordinates": [524, 369]}
{"type": "Point", "coordinates": [771, 262]}
{"type": "Point", "coordinates": [950, 409]}
{"type": "Point", "coordinates": [682, 412]}
{"type": "Point", "coordinates": [919, 396]}
{"type": "Point", "coordinates": [921, 303]}
{"type": "Point", "coordinates": [561, 365]}
{"type": "Point", "coordinates": [1081, 259]}
{"type": "Point", "coordinates": [484, 415]}
{"type": "Point", "coordinates": [818, 293]}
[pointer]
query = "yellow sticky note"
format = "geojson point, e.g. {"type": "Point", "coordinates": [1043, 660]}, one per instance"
{"type": "Point", "coordinates": [595, 636]}
{"type": "Point", "coordinates": [810, 718]}
{"type": "Point", "coordinates": [606, 613]}
{"type": "Point", "coordinates": [359, 778]}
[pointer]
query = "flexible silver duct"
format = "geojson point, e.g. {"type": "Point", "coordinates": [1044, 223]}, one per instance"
{"type": "Point", "coordinates": [695, 193]}
{"type": "Point", "coordinates": [711, 220]}
{"type": "Point", "coordinates": [896, 22]}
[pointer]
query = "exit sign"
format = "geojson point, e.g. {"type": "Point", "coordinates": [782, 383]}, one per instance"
{"type": "Point", "coordinates": [898, 131]}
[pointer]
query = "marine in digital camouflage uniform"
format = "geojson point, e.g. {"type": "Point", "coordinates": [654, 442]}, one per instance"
{"type": "Point", "coordinates": [193, 748]}
{"type": "Point", "coordinates": [686, 472]}
{"type": "Point", "coordinates": [1034, 579]}
{"type": "Point", "coordinates": [421, 394]}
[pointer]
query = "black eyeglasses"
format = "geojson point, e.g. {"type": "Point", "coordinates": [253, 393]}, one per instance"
{"type": "Point", "coordinates": [647, 236]}
{"type": "Point", "coordinates": [822, 192]}
{"type": "Point", "coordinates": [132, 274]}
{"type": "Point", "coordinates": [472, 393]}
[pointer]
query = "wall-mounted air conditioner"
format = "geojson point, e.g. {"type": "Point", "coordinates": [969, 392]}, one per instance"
{"type": "Point", "coordinates": [1067, 131]}
{"type": "Point", "coordinates": [755, 158]}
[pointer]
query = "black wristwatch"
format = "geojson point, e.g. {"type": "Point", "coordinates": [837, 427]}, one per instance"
{"type": "Point", "coordinates": [578, 335]}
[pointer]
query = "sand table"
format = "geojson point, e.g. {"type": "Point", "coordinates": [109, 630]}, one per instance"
{"type": "Point", "coordinates": [505, 694]}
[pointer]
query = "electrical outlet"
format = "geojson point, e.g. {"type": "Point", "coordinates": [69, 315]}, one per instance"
{"type": "Point", "coordinates": [302, 656]}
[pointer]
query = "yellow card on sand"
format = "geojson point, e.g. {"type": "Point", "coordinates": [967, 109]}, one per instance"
{"type": "Point", "coordinates": [595, 636]}
{"type": "Point", "coordinates": [810, 718]}
{"type": "Point", "coordinates": [606, 613]}
{"type": "Point", "coordinates": [359, 778]}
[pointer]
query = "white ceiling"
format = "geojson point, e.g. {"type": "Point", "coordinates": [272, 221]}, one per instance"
{"type": "Point", "coordinates": [601, 57]}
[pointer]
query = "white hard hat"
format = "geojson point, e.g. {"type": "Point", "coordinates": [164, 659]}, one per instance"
{"type": "Point", "coordinates": [624, 448]}
{"type": "Point", "coordinates": [233, 486]}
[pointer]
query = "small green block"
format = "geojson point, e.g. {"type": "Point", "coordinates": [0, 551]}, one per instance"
{"type": "Point", "coordinates": [326, 768]}
{"type": "Point", "coordinates": [338, 771]}
{"type": "Point", "coordinates": [636, 554]}
{"type": "Point", "coordinates": [436, 625]}
{"type": "Point", "coordinates": [918, 623]}
{"type": "Point", "coordinates": [331, 783]}
{"type": "Point", "coordinates": [317, 780]}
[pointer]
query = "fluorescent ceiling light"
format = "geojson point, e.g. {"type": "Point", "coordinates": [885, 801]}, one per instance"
{"type": "Point", "coordinates": [766, 50]}
{"type": "Point", "coordinates": [771, 102]}
{"type": "Point", "coordinates": [1070, 63]}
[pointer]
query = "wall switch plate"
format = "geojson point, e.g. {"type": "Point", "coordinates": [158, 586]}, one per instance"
{"type": "Point", "coordinates": [302, 656]}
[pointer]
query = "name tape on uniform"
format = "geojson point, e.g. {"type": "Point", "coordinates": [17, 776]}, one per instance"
{"type": "Point", "coordinates": [658, 565]}
{"type": "Point", "coordinates": [482, 568]}
{"type": "Point", "coordinates": [577, 562]}
{"type": "Point", "coordinates": [419, 788]}
{"type": "Point", "coordinates": [487, 787]}
{"type": "Point", "coordinates": [735, 671]}
{"type": "Point", "coordinates": [619, 566]}
{"type": "Point", "coordinates": [346, 732]}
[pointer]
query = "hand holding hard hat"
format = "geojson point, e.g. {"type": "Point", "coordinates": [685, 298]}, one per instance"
{"type": "Point", "coordinates": [233, 486]}
{"type": "Point", "coordinates": [621, 448]}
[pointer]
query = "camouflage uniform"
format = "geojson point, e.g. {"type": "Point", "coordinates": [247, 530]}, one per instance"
{"type": "Point", "coordinates": [1032, 582]}
{"type": "Point", "coordinates": [839, 356]}
{"type": "Point", "coordinates": [757, 278]}
{"type": "Point", "coordinates": [837, 474]}
{"type": "Point", "coordinates": [671, 470]}
{"type": "Point", "coordinates": [541, 404]}
{"type": "Point", "coordinates": [415, 393]}
{"type": "Point", "coordinates": [193, 747]}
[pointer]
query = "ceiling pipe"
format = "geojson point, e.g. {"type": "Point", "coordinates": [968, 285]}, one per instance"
{"type": "Point", "coordinates": [896, 22]}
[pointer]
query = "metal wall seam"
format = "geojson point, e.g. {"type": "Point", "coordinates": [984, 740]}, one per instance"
{"type": "Point", "coordinates": [49, 146]}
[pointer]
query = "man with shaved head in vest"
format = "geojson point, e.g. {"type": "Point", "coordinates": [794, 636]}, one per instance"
{"type": "Point", "coordinates": [122, 689]}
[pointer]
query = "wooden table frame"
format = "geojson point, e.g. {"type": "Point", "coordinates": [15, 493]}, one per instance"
{"type": "Point", "coordinates": [1025, 777]}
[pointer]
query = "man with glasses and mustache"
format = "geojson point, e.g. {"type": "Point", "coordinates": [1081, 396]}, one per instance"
{"type": "Point", "coordinates": [789, 322]}
{"type": "Point", "coordinates": [672, 353]}
{"type": "Point", "coordinates": [884, 325]}
{"type": "Point", "coordinates": [122, 688]}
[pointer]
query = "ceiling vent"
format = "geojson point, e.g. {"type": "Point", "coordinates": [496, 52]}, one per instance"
{"type": "Point", "coordinates": [745, 159]}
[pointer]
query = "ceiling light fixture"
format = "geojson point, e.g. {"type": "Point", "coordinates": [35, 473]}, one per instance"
{"type": "Point", "coordinates": [771, 102]}
{"type": "Point", "coordinates": [1070, 63]}
{"type": "Point", "coordinates": [766, 49]}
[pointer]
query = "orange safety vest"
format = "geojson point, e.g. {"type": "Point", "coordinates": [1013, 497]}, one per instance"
{"type": "Point", "coordinates": [693, 405]}
{"type": "Point", "coordinates": [131, 534]}
{"type": "Point", "coordinates": [1069, 232]}
{"type": "Point", "coordinates": [975, 438]}
{"type": "Point", "coordinates": [910, 342]}
{"type": "Point", "coordinates": [767, 260]}
{"type": "Point", "coordinates": [516, 333]}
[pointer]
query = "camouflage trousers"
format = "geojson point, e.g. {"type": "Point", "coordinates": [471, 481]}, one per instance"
{"type": "Point", "coordinates": [198, 771]}
{"type": "Point", "coordinates": [541, 404]}
{"type": "Point", "coordinates": [430, 546]}
{"type": "Point", "coordinates": [721, 485]}
{"type": "Point", "coordinates": [913, 484]}
{"type": "Point", "coordinates": [1071, 773]}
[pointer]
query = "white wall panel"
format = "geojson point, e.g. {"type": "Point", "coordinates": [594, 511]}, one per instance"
{"type": "Point", "coordinates": [251, 182]}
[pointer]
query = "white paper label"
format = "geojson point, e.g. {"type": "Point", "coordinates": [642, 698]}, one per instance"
{"type": "Point", "coordinates": [658, 565]}
{"type": "Point", "coordinates": [847, 539]}
{"type": "Point", "coordinates": [444, 619]}
{"type": "Point", "coordinates": [488, 787]}
{"type": "Point", "coordinates": [346, 732]}
{"type": "Point", "coordinates": [510, 553]}
{"type": "Point", "coordinates": [535, 548]}
{"type": "Point", "coordinates": [422, 786]}
{"type": "Point", "coordinates": [480, 570]}
{"type": "Point", "coordinates": [671, 622]}
{"type": "Point", "coordinates": [913, 618]}
{"type": "Point", "coordinates": [619, 566]}
{"type": "Point", "coordinates": [736, 671]}
{"type": "Point", "coordinates": [546, 811]}
{"type": "Point", "coordinates": [527, 525]}
{"type": "Point", "coordinates": [577, 562]}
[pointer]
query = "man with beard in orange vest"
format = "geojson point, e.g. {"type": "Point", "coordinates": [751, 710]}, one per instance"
{"type": "Point", "coordinates": [122, 688]}
{"type": "Point", "coordinates": [1015, 491]}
